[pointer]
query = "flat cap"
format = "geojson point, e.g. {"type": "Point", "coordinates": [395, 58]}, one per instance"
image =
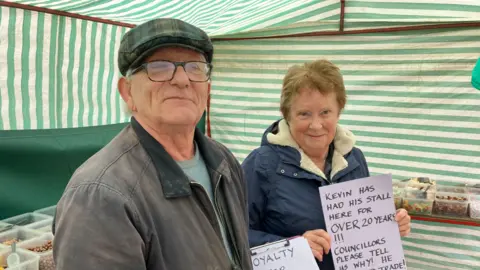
{"type": "Point", "coordinates": [143, 40]}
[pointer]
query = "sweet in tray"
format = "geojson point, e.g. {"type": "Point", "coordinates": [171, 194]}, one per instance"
{"type": "Point", "coordinates": [451, 204]}
{"type": "Point", "coordinates": [418, 206]}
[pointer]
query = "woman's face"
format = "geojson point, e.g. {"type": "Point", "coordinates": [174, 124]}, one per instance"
{"type": "Point", "coordinates": [313, 121]}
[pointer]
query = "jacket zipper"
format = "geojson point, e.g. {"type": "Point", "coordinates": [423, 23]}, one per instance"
{"type": "Point", "coordinates": [213, 207]}
{"type": "Point", "coordinates": [326, 178]}
{"type": "Point", "coordinates": [235, 253]}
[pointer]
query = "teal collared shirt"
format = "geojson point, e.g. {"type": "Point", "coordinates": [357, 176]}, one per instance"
{"type": "Point", "coordinates": [196, 170]}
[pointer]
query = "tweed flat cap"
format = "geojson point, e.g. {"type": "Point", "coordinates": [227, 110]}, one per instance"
{"type": "Point", "coordinates": [141, 41]}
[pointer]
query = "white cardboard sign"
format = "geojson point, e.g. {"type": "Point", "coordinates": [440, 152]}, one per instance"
{"type": "Point", "coordinates": [360, 218]}
{"type": "Point", "coordinates": [289, 254]}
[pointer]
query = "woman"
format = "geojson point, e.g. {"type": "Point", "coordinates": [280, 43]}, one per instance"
{"type": "Point", "coordinates": [303, 151]}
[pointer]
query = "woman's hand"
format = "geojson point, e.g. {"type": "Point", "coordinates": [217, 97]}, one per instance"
{"type": "Point", "coordinates": [319, 241]}
{"type": "Point", "coordinates": [403, 220]}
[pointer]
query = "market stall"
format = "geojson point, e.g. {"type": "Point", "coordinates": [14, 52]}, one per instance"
{"type": "Point", "coordinates": [406, 65]}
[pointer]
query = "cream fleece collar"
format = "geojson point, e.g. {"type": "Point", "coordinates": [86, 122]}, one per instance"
{"type": "Point", "coordinates": [344, 141]}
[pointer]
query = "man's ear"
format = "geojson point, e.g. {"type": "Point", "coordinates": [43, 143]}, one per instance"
{"type": "Point", "coordinates": [125, 90]}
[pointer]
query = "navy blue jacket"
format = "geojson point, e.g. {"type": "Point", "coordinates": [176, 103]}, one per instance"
{"type": "Point", "coordinates": [283, 196]}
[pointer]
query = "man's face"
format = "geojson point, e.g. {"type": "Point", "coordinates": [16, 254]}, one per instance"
{"type": "Point", "coordinates": [175, 102]}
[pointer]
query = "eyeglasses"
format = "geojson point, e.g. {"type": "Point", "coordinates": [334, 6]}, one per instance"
{"type": "Point", "coordinates": [162, 71]}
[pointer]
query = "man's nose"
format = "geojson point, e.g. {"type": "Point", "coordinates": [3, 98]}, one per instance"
{"type": "Point", "coordinates": [180, 78]}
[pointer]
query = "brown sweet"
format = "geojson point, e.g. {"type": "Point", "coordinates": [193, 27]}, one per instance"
{"type": "Point", "coordinates": [9, 242]}
{"type": "Point", "coordinates": [45, 247]}
{"type": "Point", "coordinates": [46, 263]}
{"type": "Point", "coordinates": [418, 207]}
{"type": "Point", "coordinates": [451, 198]}
{"type": "Point", "coordinates": [448, 207]}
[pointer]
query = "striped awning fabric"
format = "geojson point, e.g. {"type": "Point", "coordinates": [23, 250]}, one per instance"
{"type": "Point", "coordinates": [57, 72]}
{"type": "Point", "coordinates": [410, 102]}
{"type": "Point", "coordinates": [410, 105]}
{"type": "Point", "coordinates": [273, 17]}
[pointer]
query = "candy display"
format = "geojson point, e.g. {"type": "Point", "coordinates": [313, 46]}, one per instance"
{"type": "Point", "coordinates": [398, 192]}
{"type": "Point", "coordinates": [451, 204]}
{"type": "Point", "coordinates": [422, 180]}
{"type": "Point", "coordinates": [475, 207]}
{"type": "Point", "coordinates": [398, 202]}
{"type": "Point", "coordinates": [49, 211]}
{"type": "Point", "coordinates": [418, 206]}
{"type": "Point", "coordinates": [10, 241]}
{"type": "Point", "coordinates": [451, 189]}
{"type": "Point", "coordinates": [26, 219]}
{"type": "Point", "coordinates": [45, 229]}
{"type": "Point", "coordinates": [420, 191]}
{"type": "Point", "coordinates": [28, 260]}
{"type": "Point", "coordinates": [420, 188]}
{"type": "Point", "coordinates": [398, 189]}
{"type": "Point", "coordinates": [473, 190]}
{"type": "Point", "coordinates": [17, 235]}
{"type": "Point", "coordinates": [5, 227]}
{"type": "Point", "coordinates": [451, 197]}
{"type": "Point", "coordinates": [43, 248]}
{"type": "Point", "coordinates": [46, 262]}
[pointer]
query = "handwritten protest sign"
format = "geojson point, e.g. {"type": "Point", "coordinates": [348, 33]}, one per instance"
{"type": "Point", "coordinates": [290, 254]}
{"type": "Point", "coordinates": [360, 217]}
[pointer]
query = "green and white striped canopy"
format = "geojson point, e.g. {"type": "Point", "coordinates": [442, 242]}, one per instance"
{"type": "Point", "coordinates": [410, 105]}
{"type": "Point", "coordinates": [410, 101]}
{"type": "Point", "coordinates": [228, 17]}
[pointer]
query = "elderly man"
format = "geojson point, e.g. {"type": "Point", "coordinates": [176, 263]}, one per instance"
{"type": "Point", "coordinates": [160, 195]}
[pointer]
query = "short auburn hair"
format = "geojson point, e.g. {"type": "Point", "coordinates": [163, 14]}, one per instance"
{"type": "Point", "coordinates": [320, 75]}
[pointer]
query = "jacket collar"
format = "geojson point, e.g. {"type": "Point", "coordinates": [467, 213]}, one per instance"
{"type": "Point", "coordinates": [344, 141]}
{"type": "Point", "coordinates": [175, 183]}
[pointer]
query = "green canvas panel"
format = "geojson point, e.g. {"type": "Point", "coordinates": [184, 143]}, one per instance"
{"type": "Point", "coordinates": [35, 165]}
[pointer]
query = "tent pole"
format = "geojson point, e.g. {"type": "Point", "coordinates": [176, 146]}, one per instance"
{"type": "Point", "coordinates": [364, 31]}
{"type": "Point", "coordinates": [342, 15]}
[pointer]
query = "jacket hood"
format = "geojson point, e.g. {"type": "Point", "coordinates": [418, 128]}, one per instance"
{"type": "Point", "coordinates": [344, 141]}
